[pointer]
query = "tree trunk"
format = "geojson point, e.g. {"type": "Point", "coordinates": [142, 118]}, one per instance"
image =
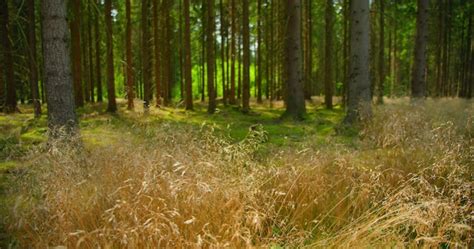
{"type": "Point", "coordinates": [156, 37]}
{"type": "Point", "coordinates": [112, 105]}
{"type": "Point", "coordinates": [418, 84]}
{"type": "Point", "coordinates": [381, 79]}
{"type": "Point", "coordinates": [295, 103]}
{"type": "Point", "coordinates": [32, 63]}
{"type": "Point", "coordinates": [259, 70]}
{"type": "Point", "coordinates": [232, 53]}
{"type": "Point", "coordinates": [98, 60]}
{"type": "Point", "coordinates": [223, 38]}
{"type": "Point", "coordinates": [210, 56]}
{"type": "Point", "coordinates": [246, 58]}
{"type": "Point", "coordinates": [128, 55]}
{"type": "Point", "coordinates": [359, 99]}
{"type": "Point", "coordinates": [328, 79]}
{"type": "Point", "coordinates": [10, 101]}
{"type": "Point", "coordinates": [90, 50]}
{"type": "Point", "coordinates": [57, 72]}
{"type": "Point", "coordinates": [146, 70]}
{"type": "Point", "coordinates": [187, 57]}
{"type": "Point", "coordinates": [76, 52]}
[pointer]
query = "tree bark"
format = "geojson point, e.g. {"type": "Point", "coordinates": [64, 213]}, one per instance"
{"type": "Point", "coordinates": [32, 63]}
{"type": "Point", "coordinates": [145, 56]}
{"type": "Point", "coordinates": [128, 55]}
{"type": "Point", "coordinates": [418, 84]}
{"type": "Point", "coordinates": [295, 103]}
{"type": "Point", "coordinates": [187, 57]}
{"type": "Point", "coordinates": [359, 99]}
{"type": "Point", "coordinates": [246, 58]}
{"type": "Point", "coordinates": [259, 70]}
{"type": "Point", "coordinates": [232, 53]}
{"type": "Point", "coordinates": [210, 56]}
{"type": "Point", "coordinates": [157, 39]}
{"type": "Point", "coordinates": [112, 105]}
{"type": "Point", "coordinates": [57, 72]}
{"type": "Point", "coordinates": [381, 79]}
{"type": "Point", "coordinates": [328, 79]}
{"type": "Point", "coordinates": [98, 60]}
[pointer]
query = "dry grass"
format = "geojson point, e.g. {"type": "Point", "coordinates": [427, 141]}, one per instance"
{"type": "Point", "coordinates": [407, 184]}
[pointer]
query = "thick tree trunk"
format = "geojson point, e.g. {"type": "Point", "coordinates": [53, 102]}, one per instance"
{"type": "Point", "coordinates": [10, 101]}
{"type": "Point", "coordinates": [295, 103]}
{"type": "Point", "coordinates": [128, 55]}
{"type": "Point", "coordinates": [76, 52]}
{"type": "Point", "coordinates": [112, 105]}
{"type": "Point", "coordinates": [359, 99]}
{"type": "Point", "coordinates": [211, 92]}
{"type": "Point", "coordinates": [418, 84]}
{"type": "Point", "coordinates": [57, 72]}
{"type": "Point", "coordinates": [187, 57]}
{"type": "Point", "coordinates": [90, 50]}
{"type": "Point", "coordinates": [246, 58]}
{"type": "Point", "coordinates": [223, 35]}
{"type": "Point", "coordinates": [328, 79]}
{"type": "Point", "coordinates": [32, 63]}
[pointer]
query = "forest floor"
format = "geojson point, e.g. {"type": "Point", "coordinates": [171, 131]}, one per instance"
{"type": "Point", "coordinates": [178, 178]}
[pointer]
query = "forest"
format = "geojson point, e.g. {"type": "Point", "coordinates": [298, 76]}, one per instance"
{"type": "Point", "coordinates": [236, 124]}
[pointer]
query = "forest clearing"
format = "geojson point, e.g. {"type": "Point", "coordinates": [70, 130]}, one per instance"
{"type": "Point", "coordinates": [236, 124]}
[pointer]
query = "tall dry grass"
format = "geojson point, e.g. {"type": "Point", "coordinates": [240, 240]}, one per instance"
{"type": "Point", "coordinates": [408, 183]}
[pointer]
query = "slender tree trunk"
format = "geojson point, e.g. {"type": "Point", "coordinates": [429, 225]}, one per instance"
{"type": "Point", "coordinates": [98, 60]}
{"type": "Point", "coordinates": [146, 70]}
{"type": "Point", "coordinates": [418, 84]}
{"type": "Point", "coordinates": [90, 50]}
{"type": "Point", "coordinates": [58, 81]}
{"type": "Point", "coordinates": [32, 63]}
{"type": "Point", "coordinates": [112, 105]}
{"type": "Point", "coordinates": [187, 57]}
{"type": "Point", "coordinates": [211, 92]}
{"type": "Point", "coordinates": [359, 97]}
{"type": "Point", "coordinates": [295, 104]}
{"type": "Point", "coordinates": [128, 55]}
{"type": "Point", "coordinates": [381, 79]}
{"type": "Point", "coordinates": [328, 79]}
{"type": "Point", "coordinates": [156, 34]}
{"type": "Point", "coordinates": [259, 70]}
{"type": "Point", "coordinates": [246, 57]}
{"type": "Point", "coordinates": [76, 52]}
{"type": "Point", "coordinates": [223, 38]}
{"type": "Point", "coordinates": [232, 53]}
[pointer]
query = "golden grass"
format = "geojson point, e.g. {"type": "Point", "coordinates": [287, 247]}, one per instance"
{"type": "Point", "coordinates": [408, 183]}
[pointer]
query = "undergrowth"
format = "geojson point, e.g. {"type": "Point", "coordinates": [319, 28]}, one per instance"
{"type": "Point", "coordinates": [407, 183]}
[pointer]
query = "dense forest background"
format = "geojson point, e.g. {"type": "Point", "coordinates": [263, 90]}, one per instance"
{"type": "Point", "coordinates": [150, 50]}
